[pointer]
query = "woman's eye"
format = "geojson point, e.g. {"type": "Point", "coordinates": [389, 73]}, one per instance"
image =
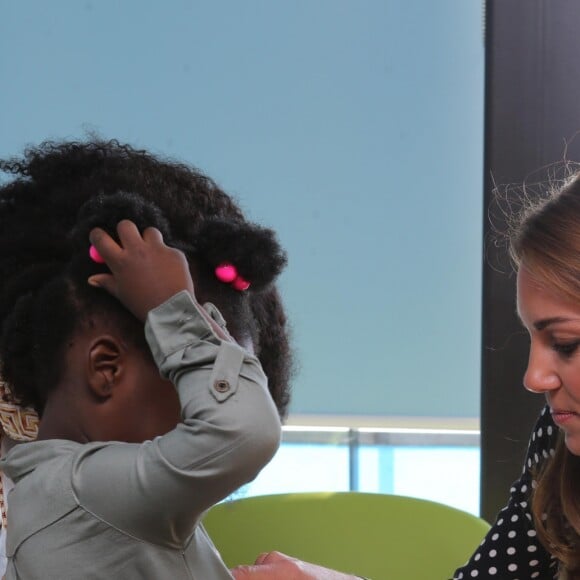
{"type": "Point", "coordinates": [566, 348]}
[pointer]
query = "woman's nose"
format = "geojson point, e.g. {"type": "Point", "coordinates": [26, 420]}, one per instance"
{"type": "Point", "coordinates": [541, 375]}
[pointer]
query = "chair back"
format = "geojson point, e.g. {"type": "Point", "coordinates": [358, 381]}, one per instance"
{"type": "Point", "coordinates": [383, 537]}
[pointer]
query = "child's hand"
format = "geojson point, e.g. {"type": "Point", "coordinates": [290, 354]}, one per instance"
{"type": "Point", "coordinates": [144, 271]}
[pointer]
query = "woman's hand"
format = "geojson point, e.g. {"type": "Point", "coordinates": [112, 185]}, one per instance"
{"type": "Point", "coordinates": [277, 566]}
{"type": "Point", "coordinates": [144, 271]}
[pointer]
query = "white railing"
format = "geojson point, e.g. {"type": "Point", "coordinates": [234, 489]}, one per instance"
{"type": "Point", "coordinates": [437, 464]}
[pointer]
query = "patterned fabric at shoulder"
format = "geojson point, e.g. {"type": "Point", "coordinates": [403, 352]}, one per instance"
{"type": "Point", "coordinates": [18, 424]}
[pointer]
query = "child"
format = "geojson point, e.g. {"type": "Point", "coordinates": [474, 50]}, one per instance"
{"type": "Point", "coordinates": [127, 461]}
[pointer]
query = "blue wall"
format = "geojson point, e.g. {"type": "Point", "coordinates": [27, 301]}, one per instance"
{"type": "Point", "coordinates": [353, 128]}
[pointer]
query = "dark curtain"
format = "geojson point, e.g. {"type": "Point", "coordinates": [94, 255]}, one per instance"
{"type": "Point", "coordinates": [532, 110]}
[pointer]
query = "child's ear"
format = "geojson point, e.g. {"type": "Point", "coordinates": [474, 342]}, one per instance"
{"type": "Point", "coordinates": [105, 365]}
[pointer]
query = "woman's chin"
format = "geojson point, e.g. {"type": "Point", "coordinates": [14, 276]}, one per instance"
{"type": "Point", "coordinates": [572, 441]}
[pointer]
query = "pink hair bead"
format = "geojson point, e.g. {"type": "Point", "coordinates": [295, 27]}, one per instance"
{"type": "Point", "coordinates": [226, 273]}
{"type": "Point", "coordinates": [240, 284]}
{"type": "Point", "coordinates": [95, 256]}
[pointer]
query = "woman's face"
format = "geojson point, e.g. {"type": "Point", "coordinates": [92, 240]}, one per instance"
{"type": "Point", "coordinates": [553, 323]}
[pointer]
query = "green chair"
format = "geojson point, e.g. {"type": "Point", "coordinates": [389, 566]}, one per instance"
{"type": "Point", "coordinates": [383, 537]}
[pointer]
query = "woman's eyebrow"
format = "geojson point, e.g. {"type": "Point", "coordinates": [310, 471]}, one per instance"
{"type": "Point", "coordinates": [545, 322]}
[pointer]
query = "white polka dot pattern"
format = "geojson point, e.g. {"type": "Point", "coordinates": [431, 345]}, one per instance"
{"type": "Point", "coordinates": [511, 550]}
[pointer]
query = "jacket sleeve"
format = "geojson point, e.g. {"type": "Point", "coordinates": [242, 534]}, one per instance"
{"type": "Point", "coordinates": [230, 429]}
{"type": "Point", "coordinates": [511, 549]}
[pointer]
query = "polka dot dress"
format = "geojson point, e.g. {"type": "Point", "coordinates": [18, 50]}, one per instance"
{"type": "Point", "coordinates": [511, 550]}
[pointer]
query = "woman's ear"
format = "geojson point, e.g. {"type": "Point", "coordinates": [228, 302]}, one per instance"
{"type": "Point", "coordinates": [105, 365]}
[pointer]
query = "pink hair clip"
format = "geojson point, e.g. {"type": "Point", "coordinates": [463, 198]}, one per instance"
{"type": "Point", "coordinates": [228, 274]}
{"type": "Point", "coordinates": [95, 256]}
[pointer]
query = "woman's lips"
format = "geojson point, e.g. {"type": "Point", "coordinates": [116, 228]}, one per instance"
{"type": "Point", "coordinates": [562, 417]}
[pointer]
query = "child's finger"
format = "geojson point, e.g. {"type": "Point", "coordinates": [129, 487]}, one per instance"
{"type": "Point", "coordinates": [105, 244]}
{"type": "Point", "coordinates": [152, 234]}
{"type": "Point", "coordinates": [106, 282]}
{"type": "Point", "coordinates": [129, 233]}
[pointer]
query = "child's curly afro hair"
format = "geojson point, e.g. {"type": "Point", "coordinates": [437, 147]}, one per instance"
{"type": "Point", "coordinates": [58, 192]}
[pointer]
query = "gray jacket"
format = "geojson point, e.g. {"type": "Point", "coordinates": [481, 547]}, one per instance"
{"type": "Point", "coordinates": [109, 510]}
